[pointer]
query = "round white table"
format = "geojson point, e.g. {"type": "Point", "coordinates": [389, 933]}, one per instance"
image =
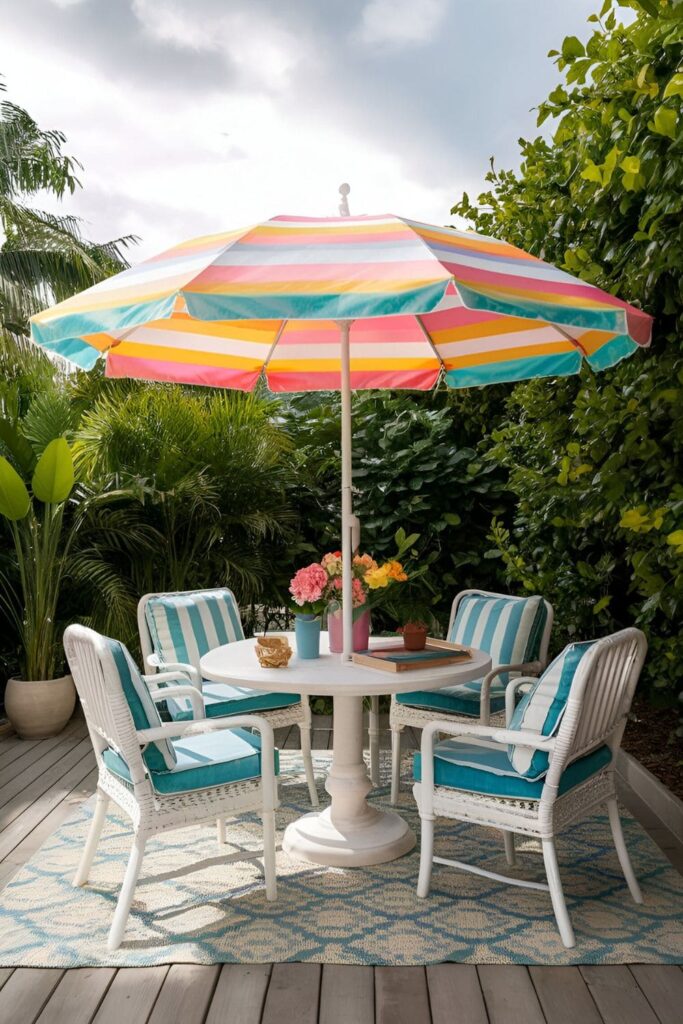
{"type": "Point", "coordinates": [350, 832]}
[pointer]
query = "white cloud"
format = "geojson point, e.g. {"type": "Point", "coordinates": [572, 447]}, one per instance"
{"type": "Point", "coordinates": [400, 23]}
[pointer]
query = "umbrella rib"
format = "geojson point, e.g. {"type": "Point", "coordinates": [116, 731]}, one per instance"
{"type": "Point", "coordinates": [275, 341]}
{"type": "Point", "coordinates": [574, 341]}
{"type": "Point", "coordinates": [442, 365]}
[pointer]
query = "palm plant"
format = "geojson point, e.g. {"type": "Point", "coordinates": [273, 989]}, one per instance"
{"type": "Point", "coordinates": [44, 257]}
{"type": "Point", "coordinates": [209, 468]}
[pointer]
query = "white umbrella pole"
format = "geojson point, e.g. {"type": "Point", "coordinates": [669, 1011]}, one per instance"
{"type": "Point", "coordinates": [348, 520]}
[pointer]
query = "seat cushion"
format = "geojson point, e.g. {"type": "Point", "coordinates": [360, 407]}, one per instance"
{"type": "Point", "coordinates": [541, 709]}
{"type": "Point", "coordinates": [507, 628]}
{"type": "Point", "coordinates": [211, 759]}
{"type": "Point", "coordinates": [485, 768]}
{"type": "Point", "coordinates": [222, 699]}
{"type": "Point", "coordinates": [462, 699]}
{"type": "Point", "coordinates": [184, 627]}
{"type": "Point", "coordinates": [159, 756]}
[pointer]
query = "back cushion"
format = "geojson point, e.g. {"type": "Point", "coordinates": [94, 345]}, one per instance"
{"type": "Point", "coordinates": [184, 627]}
{"type": "Point", "coordinates": [542, 708]}
{"type": "Point", "coordinates": [159, 756]}
{"type": "Point", "coordinates": [508, 628]}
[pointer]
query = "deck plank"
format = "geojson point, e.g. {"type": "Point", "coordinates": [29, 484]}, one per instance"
{"type": "Point", "coordinates": [401, 996]}
{"type": "Point", "coordinates": [347, 993]}
{"type": "Point", "coordinates": [20, 828]}
{"type": "Point", "coordinates": [26, 993]}
{"type": "Point", "coordinates": [564, 995]}
{"type": "Point", "coordinates": [455, 994]}
{"type": "Point", "coordinates": [662, 985]}
{"type": "Point", "coordinates": [240, 994]}
{"type": "Point", "coordinates": [293, 994]}
{"type": "Point", "coordinates": [509, 994]}
{"type": "Point", "coordinates": [185, 994]}
{"type": "Point", "coordinates": [131, 996]}
{"type": "Point", "coordinates": [617, 995]}
{"type": "Point", "coordinates": [5, 974]}
{"type": "Point", "coordinates": [78, 995]}
{"type": "Point", "coordinates": [44, 782]}
{"type": "Point", "coordinates": [26, 756]}
{"type": "Point", "coordinates": [31, 771]}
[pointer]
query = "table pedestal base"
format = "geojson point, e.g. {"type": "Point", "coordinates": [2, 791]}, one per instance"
{"type": "Point", "coordinates": [378, 838]}
{"type": "Point", "coordinates": [349, 833]}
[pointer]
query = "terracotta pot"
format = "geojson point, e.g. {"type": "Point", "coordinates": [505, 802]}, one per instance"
{"type": "Point", "coordinates": [38, 708]}
{"type": "Point", "coordinates": [414, 637]}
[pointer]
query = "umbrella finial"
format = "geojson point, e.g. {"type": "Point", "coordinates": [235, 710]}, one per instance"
{"type": "Point", "coordinates": [344, 204]}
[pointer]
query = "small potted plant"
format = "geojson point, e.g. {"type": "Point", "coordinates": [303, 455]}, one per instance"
{"type": "Point", "coordinates": [412, 610]}
{"type": "Point", "coordinates": [414, 634]}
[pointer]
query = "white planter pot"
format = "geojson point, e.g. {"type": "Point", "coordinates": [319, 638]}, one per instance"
{"type": "Point", "coordinates": [38, 708]}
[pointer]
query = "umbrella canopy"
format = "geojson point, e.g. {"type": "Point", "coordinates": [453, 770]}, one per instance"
{"type": "Point", "coordinates": [343, 303]}
{"type": "Point", "coordinates": [422, 298]}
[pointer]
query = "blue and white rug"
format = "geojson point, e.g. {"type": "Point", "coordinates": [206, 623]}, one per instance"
{"type": "Point", "coordinates": [198, 903]}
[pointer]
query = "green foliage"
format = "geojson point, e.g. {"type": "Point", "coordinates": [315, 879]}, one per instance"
{"type": "Point", "coordinates": [43, 256]}
{"type": "Point", "coordinates": [595, 461]}
{"type": "Point", "coordinates": [418, 467]}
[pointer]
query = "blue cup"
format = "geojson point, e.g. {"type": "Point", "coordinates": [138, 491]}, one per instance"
{"type": "Point", "coordinates": [307, 632]}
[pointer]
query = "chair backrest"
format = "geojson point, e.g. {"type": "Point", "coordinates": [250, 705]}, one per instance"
{"type": "Point", "coordinates": [181, 627]}
{"type": "Point", "coordinates": [513, 630]}
{"type": "Point", "coordinates": [599, 699]}
{"type": "Point", "coordinates": [115, 700]}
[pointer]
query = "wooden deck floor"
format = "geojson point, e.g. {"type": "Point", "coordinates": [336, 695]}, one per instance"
{"type": "Point", "coordinates": [41, 782]}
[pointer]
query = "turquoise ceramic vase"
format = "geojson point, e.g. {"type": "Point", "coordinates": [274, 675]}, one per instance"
{"type": "Point", "coordinates": [307, 632]}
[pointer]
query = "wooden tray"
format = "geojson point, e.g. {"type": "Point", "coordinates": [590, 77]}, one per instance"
{"type": "Point", "coordinates": [397, 659]}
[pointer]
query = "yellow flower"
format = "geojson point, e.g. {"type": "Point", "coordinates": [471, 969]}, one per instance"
{"type": "Point", "coordinates": [395, 571]}
{"type": "Point", "coordinates": [378, 577]}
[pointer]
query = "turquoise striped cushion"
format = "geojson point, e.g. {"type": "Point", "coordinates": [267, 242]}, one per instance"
{"type": "Point", "coordinates": [223, 699]}
{"type": "Point", "coordinates": [184, 627]}
{"type": "Point", "coordinates": [541, 709]}
{"type": "Point", "coordinates": [508, 628]}
{"type": "Point", "coordinates": [211, 759]}
{"type": "Point", "coordinates": [159, 756]}
{"type": "Point", "coordinates": [485, 768]}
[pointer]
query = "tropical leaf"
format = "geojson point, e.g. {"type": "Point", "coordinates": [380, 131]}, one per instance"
{"type": "Point", "coordinates": [53, 476]}
{"type": "Point", "coordinates": [14, 498]}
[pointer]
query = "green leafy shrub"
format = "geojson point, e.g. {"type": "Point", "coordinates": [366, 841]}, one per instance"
{"type": "Point", "coordinates": [595, 461]}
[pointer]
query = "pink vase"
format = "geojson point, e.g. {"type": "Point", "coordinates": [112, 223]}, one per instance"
{"type": "Point", "coordinates": [361, 632]}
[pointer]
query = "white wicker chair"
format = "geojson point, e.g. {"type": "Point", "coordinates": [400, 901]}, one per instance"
{"type": "Point", "coordinates": [594, 717]}
{"type": "Point", "coordinates": [112, 731]}
{"type": "Point", "coordinates": [279, 713]}
{"type": "Point", "coordinates": [403, 712]}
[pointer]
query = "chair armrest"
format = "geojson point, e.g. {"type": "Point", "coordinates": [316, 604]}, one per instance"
{"type": "Point", "coordinates": [485, 703]}
{"type": "Point", "coordinates": [164, 692]}
{"type": "Point", "coordinates": [156, 678]}
{"type": "Point", "coordinates": [176, 730]}
{"type": "Point", "coordinates": [430, 732]}
{"type": "Point", "coordinates": [511, 693]}
{"type": "Point", "coordinates": [154, 661]}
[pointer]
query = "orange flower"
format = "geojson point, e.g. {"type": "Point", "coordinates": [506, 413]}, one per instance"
{"type": "Point", "coordinates": [396, 572]}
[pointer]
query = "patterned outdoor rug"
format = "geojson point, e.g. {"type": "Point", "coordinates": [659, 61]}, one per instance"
{"type": "Point", "coordinates": [196, 904]}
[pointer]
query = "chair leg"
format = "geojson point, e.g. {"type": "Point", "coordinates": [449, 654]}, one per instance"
{"type": "Point", "coordinates": [556, 894]}
{"type": "Point", "coordinates": [118, 925]}
{"type": "Point", "coordinates": [269, 854]}
{"type": "Point", "coordinates": [220, 831]}
{"type": "Point", "coordinates": [373, 736]}
{"type": "Point", "coordinates": [426, 857]}
{"type": "Point", "coordinates": [509, 840]}
{"type": "Point", "coordinates": [622, 852]}
{"type": "Point", "coordinates": [396, 731]}
{"type": "Point", "coordinates": [88, 855]}
{"type": "Point", "coordinates": [305, 733]}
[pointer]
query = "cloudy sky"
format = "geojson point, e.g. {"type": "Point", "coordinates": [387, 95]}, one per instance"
{"type": "Point", "coordinates": [190, 116]}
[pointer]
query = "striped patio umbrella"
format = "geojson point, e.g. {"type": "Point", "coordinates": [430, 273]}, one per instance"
{"type": "Point", "coordinates": [343, 303]}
